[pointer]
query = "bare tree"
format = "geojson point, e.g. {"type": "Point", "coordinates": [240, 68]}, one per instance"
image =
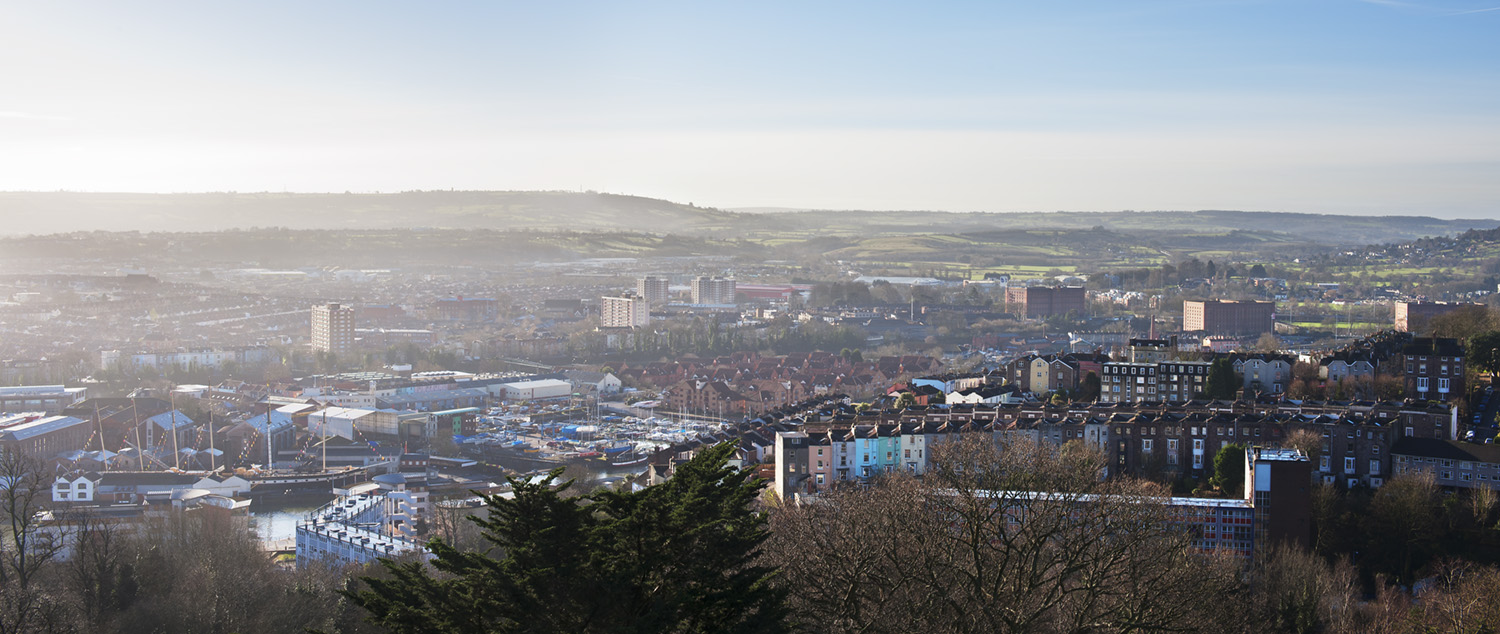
{"type": "Point", "coordinates": [25, 548]}
{"type": "Point", "coordinates": [1017, 538]}
{"type": "Point", "coordinates": [100, 574]}
{"type": "Point", "coordinates": [1296, 591]}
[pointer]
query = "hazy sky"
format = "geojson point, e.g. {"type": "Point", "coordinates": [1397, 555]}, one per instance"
{"type": "Point", "coordinates": [1346, 106]}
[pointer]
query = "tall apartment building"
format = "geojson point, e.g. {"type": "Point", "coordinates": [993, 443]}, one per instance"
{"type": "Point", "coordinates": [1034, 302]}
{"type": "Point", "coordinates": [332, 328]}
{"type": "Point", "coordinates": [654, 289]}
{"type": "Point", "coordinates": [625, 311]}
{"type": "Point", "coordinates": [1221, 317]}
{"type": "Point", "coordinates": [1413, 316]}
{"type": "Point", "coordinates": [713, 290]}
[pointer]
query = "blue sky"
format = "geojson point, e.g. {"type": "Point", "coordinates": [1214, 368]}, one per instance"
{"type": "Point", "coordinates": [1340, 106]}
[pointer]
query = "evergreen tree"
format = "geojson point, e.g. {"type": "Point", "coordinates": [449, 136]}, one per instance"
{"type": "Point", "coordinates": [676, 557]}
{"type": "Point", "coordinates": [1229, 470]}
{"type": "Point", "coordinates": [1221, 383]}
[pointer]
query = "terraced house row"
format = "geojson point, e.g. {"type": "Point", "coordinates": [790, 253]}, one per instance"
{"type": "Point", "coordinates": [1140, 439]}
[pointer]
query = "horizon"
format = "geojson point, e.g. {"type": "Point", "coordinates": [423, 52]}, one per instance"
{"type": "Point", "coordinates": [1354, 107]}
{"type": "Point", "coordinates": [751, 210]}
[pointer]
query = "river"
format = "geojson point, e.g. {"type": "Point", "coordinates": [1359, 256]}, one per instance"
{"type": "Point", "coordinates": [275, 518]}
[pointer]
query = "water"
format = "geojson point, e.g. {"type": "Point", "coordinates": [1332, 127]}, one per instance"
{"type": "Point", "coordinates": [275, 518]}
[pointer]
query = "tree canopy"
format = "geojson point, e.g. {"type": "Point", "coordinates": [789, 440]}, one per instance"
{"type": "Point", "coordinates": [675, 557]}
{"type": "Point", "coordinates": [1221, 383]}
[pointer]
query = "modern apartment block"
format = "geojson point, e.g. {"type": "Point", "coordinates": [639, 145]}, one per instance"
{"type": "Point", "coordinates": [1413, 316]}
{"type": "Point", "coordinates": [713, 290]}
{"type": "Point", "coordinates": [1035, 302]}
{"type": "Point", "coordinates": [332, 328]}
{"type": "Point", "coordinates": [1221, 317]}
{"type": "Point", "coordinates": [626, 311]}
{"type": "Point", "coordinates": [656, 290]}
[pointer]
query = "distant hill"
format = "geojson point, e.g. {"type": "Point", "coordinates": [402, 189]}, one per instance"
{"type": "Point", "coordinates": [62, 212]}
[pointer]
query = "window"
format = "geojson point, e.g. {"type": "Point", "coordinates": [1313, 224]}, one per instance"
{"type": "Point", "coordinates": [1349, 464]}
{"type": "Point", "coordinates": [1147, 445]}
{"type": "Point", "coordinates": [1421, 384]}
{"type": "Point", "coordinates": [1442, 385]}
{"type": "Point", "coordinates": [1374, 467]}
{"type": "Point", "coordinates": [1323, 463]}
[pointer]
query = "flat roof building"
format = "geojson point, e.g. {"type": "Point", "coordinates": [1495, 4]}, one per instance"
{"type": "Point", "coordinates": [626, 311]}
{"type": "Point", "coordinates": [1224, 317]}
{"type": "Point", "coordinates": [333, 328]}
{"type": "Point", "coordinates": [1035, 302]}
{"type": "Point", "coordinates": [656, 290]}
{"type": "Point", "coordinates": [1413, 316]}
{"type": "Point", "coordinates": [52, 399]}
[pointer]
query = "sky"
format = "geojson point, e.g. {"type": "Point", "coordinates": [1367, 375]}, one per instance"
{"type": "Point", "coordinates": [1323, 106]}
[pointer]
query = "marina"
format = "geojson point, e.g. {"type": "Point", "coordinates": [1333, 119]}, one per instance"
{"type": "Point", "coordinates": [604, 444]}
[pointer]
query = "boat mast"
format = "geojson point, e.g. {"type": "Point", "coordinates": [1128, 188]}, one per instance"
{"type": "Point", "coordinates": [212, 465]}
{"type": "Point", "coordinates": [270, 461]}
{"type": "Point", "coordinates": [176, 451]}
{"type": "Point", "coordinates": [140, 455]}
{"type": "Point", "coordinates": [100, 424]}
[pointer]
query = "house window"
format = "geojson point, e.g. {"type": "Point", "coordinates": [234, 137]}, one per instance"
{"type": "Point", "coordinates": [1442, 385]}
{"type": "Point", "coordinates": [1323, 463]}
{"type": "Point", "coordinates": [1374, 467]}
{"type": "Point", "coordinates": [1349, 464]}
{"type": "Point", "coordinates": [1421, 384]}
{"type": "Point", "coordinates": [1147, 446]}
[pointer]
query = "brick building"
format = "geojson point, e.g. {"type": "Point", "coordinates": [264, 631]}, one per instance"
{"type": "Point", "coordinates": [1413, 316]}
{"type": "Point", "coordinates": [1220, 317]}
{"type": "Point", "coordinates": [1433, 368]}
{"type": "Point", "coordinates": [1035, 302]}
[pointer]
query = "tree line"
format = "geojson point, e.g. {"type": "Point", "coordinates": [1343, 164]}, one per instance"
{"type": "Point", "coordinates": [1020, 537]}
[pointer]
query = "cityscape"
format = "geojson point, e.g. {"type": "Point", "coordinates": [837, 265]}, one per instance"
{"type": "Point", "coordinates": [970, 317]}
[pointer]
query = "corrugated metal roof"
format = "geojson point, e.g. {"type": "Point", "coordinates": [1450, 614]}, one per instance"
{"type": "Point", "coordinates": [39, 427]}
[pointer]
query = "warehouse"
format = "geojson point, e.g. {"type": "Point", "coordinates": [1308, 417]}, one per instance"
{"type": "Point", "coordinates": [537, 390]}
